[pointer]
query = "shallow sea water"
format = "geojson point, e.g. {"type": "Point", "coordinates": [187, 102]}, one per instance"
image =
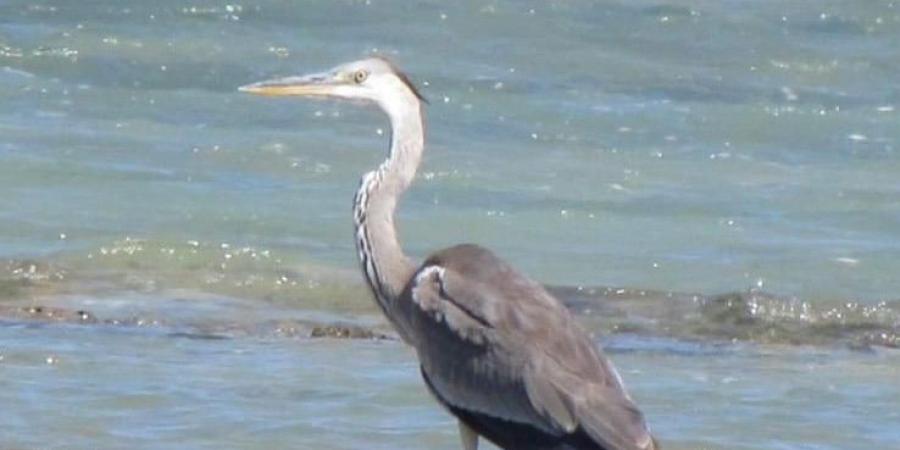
{"type": "Point", "coordinates": [75, 386]}
{"type": "Point", "coordinates": [170, 245]}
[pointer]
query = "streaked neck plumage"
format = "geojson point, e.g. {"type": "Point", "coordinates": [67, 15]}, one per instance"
{"type": "Point", "coordinates": [386, 268]}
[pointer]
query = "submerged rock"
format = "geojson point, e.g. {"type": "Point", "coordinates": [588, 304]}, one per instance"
{"type": "Point", "coordinates": [47, 314]}
{"type": "Point", "coordinates": [210, 330]}
{"type": "Point", "coordinates": [750, 316]}
{"type": "Point", "coordinates": [343, 331]}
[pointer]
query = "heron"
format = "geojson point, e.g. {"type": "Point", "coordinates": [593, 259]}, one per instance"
{"type": "Point", "coordinates": [497, 350]}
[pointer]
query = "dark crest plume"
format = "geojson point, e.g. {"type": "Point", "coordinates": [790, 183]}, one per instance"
{"type": "Point", "coordinates": [404, 78]}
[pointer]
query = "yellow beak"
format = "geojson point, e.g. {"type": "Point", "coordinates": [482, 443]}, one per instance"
{"type": "Point", "coordinates": [316, 84]}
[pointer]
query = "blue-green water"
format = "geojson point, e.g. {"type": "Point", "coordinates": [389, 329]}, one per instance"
{"type": "Point", "coordinates": [669, 147]}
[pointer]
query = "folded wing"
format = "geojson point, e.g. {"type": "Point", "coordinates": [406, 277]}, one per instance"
{"type": "Point", "coordinates": [499, 350]}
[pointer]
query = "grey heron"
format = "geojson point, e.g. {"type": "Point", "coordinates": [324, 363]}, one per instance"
{"type": "Point", "coordinates": [495, 348]}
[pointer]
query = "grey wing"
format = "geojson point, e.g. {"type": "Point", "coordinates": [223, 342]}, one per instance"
{"type": "Point", "coordinates": [494, 342]}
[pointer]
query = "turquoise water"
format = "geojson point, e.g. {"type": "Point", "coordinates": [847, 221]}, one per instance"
{"type": "Point", "coordinates": [679, 150]}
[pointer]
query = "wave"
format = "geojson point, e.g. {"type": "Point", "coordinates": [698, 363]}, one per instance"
{"type": "Point", "coordinates": [223, 282]}
{"type": "Point", "coordinates": [752, 315]}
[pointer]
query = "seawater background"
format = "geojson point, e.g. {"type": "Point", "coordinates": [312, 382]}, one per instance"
{"type": "Point", "coordinates": [672, 146]}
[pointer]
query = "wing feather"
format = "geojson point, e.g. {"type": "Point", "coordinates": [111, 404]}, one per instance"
{"type": "Point", "coordinates": [495, 342]}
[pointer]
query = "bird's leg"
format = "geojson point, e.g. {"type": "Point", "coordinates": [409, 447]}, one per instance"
{"type": "Point", "coordinates": [469, 437]}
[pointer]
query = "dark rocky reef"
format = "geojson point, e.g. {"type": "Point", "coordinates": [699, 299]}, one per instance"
{"type": "Point", "coordinates": [752, 316]}
{"type": "Point", "coordinates": [304, 329]}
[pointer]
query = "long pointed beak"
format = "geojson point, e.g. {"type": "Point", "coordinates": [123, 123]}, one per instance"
{"type": "Point", "coordinates": [315, 84]}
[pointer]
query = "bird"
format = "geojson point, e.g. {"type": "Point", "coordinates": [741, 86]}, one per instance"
{"type": "Point", "coordinates": [495, 348]}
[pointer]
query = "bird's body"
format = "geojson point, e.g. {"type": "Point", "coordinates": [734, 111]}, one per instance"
{"type": "Point", "coordinates": [496, 349]}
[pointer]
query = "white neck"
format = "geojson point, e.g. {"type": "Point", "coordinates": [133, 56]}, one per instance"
{"type": "Point", "coordinates": [386, 268]}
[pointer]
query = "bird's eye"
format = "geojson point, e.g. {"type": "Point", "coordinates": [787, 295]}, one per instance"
{"type": "Point", "coordinates": [360, 76]}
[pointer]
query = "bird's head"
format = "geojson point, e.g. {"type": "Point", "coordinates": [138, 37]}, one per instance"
{"type": "Point", "coordinates": [373, 79]}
